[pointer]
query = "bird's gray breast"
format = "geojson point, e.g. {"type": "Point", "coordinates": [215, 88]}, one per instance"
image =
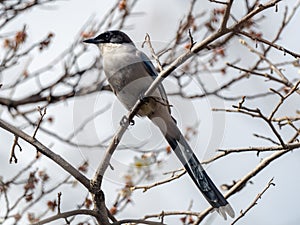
{"type": "Point", "coordinates": [126, 73]}
{"type": "Point", "coordinates": [128, 79]}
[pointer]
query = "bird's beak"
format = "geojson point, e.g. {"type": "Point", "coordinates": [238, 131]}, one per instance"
{"type": "Point", "coordinates": [92, 41]}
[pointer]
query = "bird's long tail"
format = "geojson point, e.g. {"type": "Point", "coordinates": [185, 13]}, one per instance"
{"type": "Point", "coordinates": [192, 165]}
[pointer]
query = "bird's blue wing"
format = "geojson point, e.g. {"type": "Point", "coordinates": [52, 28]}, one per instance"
{"type": "Point", "coordinates": [152, 71]}
{"type": "Point", "coordinates": [148, 65]}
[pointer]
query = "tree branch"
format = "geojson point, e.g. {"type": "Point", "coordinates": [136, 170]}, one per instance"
{"type": "Point", "coordinates": [242, 182]}
{"type": "Point", "coordinates": [47, 152]}
{"type": "Point", "coordinates": [254, 203]}
{"type": "Point", "coordinates": [222, 153]}
{"type": "Point", "coordinates": [147, 187]}
{"type": "Point", "coordinates": [66, 215]}
{"type": "Point", "coordinates": [137, 221]}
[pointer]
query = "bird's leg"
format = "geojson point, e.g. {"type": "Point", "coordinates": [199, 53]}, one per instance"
{"type": "Point", "coordinates": [144, 99]}
{"type": "Point", "coordinates": [147, 99]}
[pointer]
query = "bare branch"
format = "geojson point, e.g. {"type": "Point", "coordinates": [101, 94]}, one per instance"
{"type": "Point", "coordinates": [58, 202]}
{"type": "Point", "coordinates": [47, 152]}
{"type": "Point", "coordinates": [242, 182]}
{"type": "Point", "coordinates": [254, 203]}
{"type": "Point", "coordinates": [283, 98]}
{"type": "Point", "coordinates": [226, 15]}
{"type": "Point", "coordinates": [222, 153]}
{"type": "Point", "coordinates": [13, 156]}
{"type": "Point", "coordinates": [42, 114]}
{"type": "Point", "coordinates": [137, 221]}
{"type": "Point", "coordinates": [192, 42]}
{"type": "Point", "coordinates": [171, 213]}
{"type": "Point", "coordinates": [147, 187]}
{"type": "Point", "coordinates": [66, 215]}
{"type": "Point", "coordinates": [276, 46]}
{"type": "Point", "coordinates": [154, 55]}
{"type": "Point", "coordinates": [272, 66]}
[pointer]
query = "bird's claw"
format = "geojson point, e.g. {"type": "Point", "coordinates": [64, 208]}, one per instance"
{"type": "Point", "coordinates": [132, 122]}
{"type": "Point", "coordinates": [143, 99]}
{"type": "Point", "coordinates": [125, 121]}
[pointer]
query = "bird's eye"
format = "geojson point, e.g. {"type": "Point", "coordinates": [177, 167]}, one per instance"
{"type": "Point", "coordinates": [106, 36]}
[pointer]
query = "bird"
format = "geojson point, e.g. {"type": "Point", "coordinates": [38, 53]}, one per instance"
{"type": "Point", "coordinates": [129, 73]}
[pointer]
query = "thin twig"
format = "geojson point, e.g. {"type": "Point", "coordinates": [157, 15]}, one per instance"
{"type": "Point", "coordinates": [272, 66]}
{"type": "Point", "coordinates": [137, 221]}
{"type": "Point", "coordinates": [47, 152]}
{"type": "Point", "coordinates": [276, 46]}
{"type": "Point", "coordinates": [13, 156]}
{"type": "Point", "coordinates": [222, 153]}
{"type": "Point", "coordinates": [171, 213]}
{"type": "Point", "coordinates": [58, 202]}
{"type": "Point", "coordinates": [254, 203]}
{"type": "Point", "coordinates": [283, 98]}
{"type": "Point", "coordinates": [66, 215]}
{"type": "Point", "coordinates": [42, 114]}
{"type": "Point", "coordinates": [154, 55]}
{"type": "Point", "coordinates": [242, 182]}
{"type": "Point", "coordinates": [266, 138]}
{"type": "Point", "coordinates": [147, 187]}
{"type": "Point", "coordinates": [192, 42]}
{"type": "Point", "coordinates": [226, 15]}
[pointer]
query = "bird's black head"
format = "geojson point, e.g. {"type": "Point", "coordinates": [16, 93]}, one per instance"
{"type": "Point", "coordinates": [114, 36]}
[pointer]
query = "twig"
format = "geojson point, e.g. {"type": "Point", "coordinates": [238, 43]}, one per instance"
{"type": "Point", "coordinates": [171, 213]}
{"type": "Point", "coordinates": [240, 105]}
{"type": "Point", "coordinates": [13, 156]}
{"type": "Point", "coordinates": [265, 138]}
{"type": "Point", "coordinates": [173, 172]}
{"type": "Point", "coordinates": [47, 152]}
{"type": "Point", "coordinates": [278, 47]}
{"type": "Point", "coordinates": [154, 55]}
{"type": "Point", "coordinates": [42, 114]}
{"type": "Point", "coordinates": [43, 193]}
{"type": "Point", "coordinates": [283, 98]}
{"type": "Point", "coordinates": [86, 121]}
{"type": "Point", "coordinates": [285, 21]}
{"type": "Point", "coordinates": [192, 42]}
{"type": "Point", "coordinates": [269, 122]}
{"type": "Point", "coordinates": [226, 15]}
{"type": "Point", "coordinates": [251, 71]}
{"type": "Point", "coordinates": [66, 215]}
{"type": "Point", "coordinates": [58, 202]}
{"type": "Point", "coordinates": [137, 221]}
{"type": "Point", "coordinates": [257, 114]}
{"type": "Point", "coordinates": [241, 183]}
{"type": "Point", "coordinates": [147, 187]}
{"type": "Point", "coordinates": [222, 153]}
{"type": "Point", "coordinates": [254, 203]}
{"type": "Point", "coordinates": [218, 2]}
{"type": "Point", "coordinates": [272, 66]}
